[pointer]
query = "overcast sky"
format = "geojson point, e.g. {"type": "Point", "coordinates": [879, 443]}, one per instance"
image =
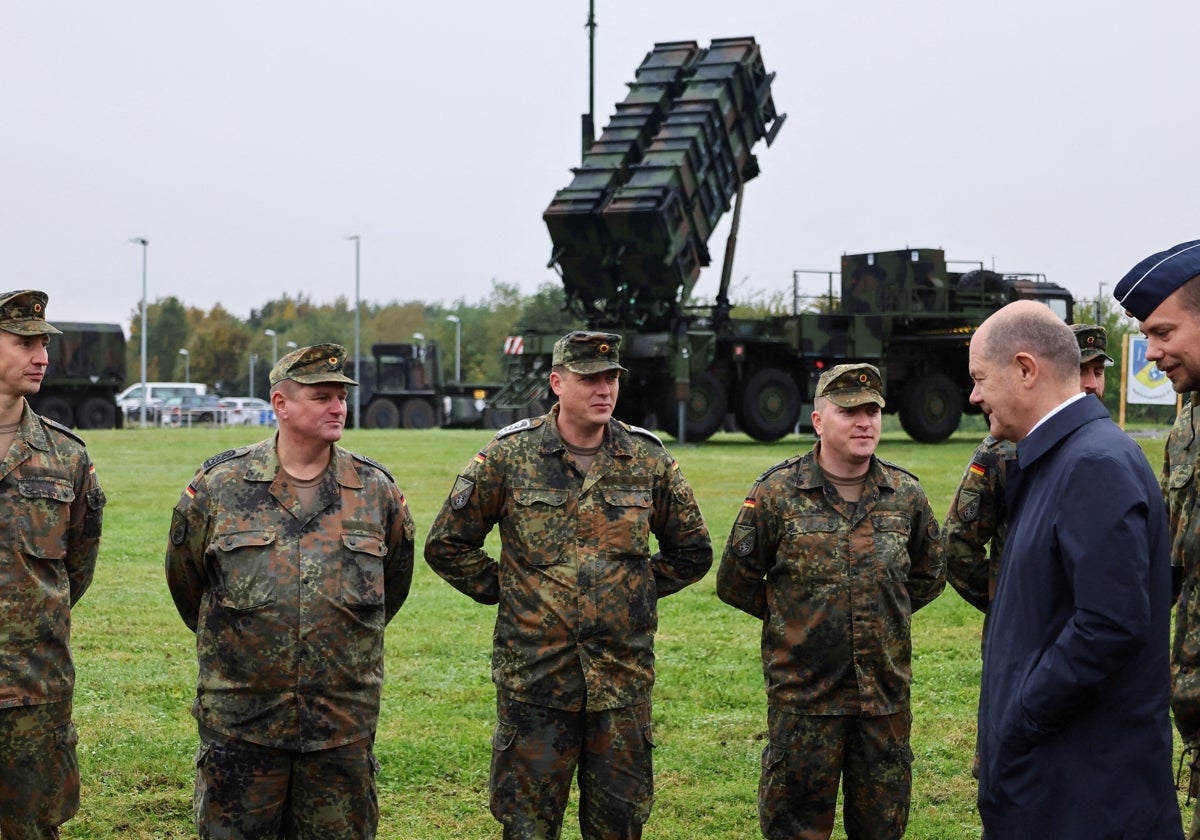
{"type": "Point", "coordinates": [246, 140]}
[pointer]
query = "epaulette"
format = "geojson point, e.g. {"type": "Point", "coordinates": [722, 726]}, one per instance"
{"type": "Point", "coordinates": [638, 430]}
{"type": "Point", "coordinates": [520, 426]}
{"type": "Point", "coordinates": [375, 464]}
{"type": "Point", "coordinates": [782, 465]}
{"type": "Point", "coordinates": [59, 427]}
{"type": "Point", "coordinates": [887, 463]}
{"type": "Point", "coordinates": [227, 455]}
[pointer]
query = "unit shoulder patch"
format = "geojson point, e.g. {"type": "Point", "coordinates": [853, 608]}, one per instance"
{"type": "Point", "coordinates": [461, 494]}
{"type": "Point", "coordinates": [967, 506]}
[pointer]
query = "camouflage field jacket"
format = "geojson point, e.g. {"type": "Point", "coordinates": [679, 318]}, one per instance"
{"type": "Point", "coordinates": [978, 516]}
{"type": "Point", "coordinates": [577, 583]}
{"type": "Point", "coordinates": [1178, 480]}
{"type": "Point", "coordinates": [835, 584]}
{"type": "Point", "coordinates": [289, 611]}
{"type": "Point", "coordinates": [53, 512]}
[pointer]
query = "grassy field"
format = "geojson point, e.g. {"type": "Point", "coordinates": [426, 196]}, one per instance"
{"type": "Point", "coordinates": [136, 660]}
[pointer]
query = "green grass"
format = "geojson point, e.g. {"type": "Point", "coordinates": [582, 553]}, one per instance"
{"type": "Point", "coordinates": [136, 660]}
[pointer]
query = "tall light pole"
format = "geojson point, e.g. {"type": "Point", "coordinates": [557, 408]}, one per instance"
{"type": "Point", "coordinates": [274, 345]}
{"type": "Point", "coordinates": [253, 359]}
{"type": "Point", "coordinates": [454, 319]}
{"type": "Point", "coordinates": [291, 345]}
{"type": "Point", "coordinates": [357, 331]}
{"type": "Point", "coordinates": [187, 364]}
{"type": "Point", "coordinates": [1099, 295]}
{"type": "Point", "coordinates": [137, 240]}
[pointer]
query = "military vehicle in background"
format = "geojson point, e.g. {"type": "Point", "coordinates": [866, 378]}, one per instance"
{"type": "Point", "coordinates": [86, 371]}
{"type": "Point", "coordinates": [402, 387]}
{"type": "Point", "coordinates": [629, 238]}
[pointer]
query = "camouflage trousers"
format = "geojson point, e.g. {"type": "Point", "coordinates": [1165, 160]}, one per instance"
{"type": "Point", "coordinates": [249, 792]}
{"type": "Point", "coordinates": [806, 756]}
{"type": "Point", "coordinates": [39, 771]}
{"type": "Point", "coordinates": [537, 750]}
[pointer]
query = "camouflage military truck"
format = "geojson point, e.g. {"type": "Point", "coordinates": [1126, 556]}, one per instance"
{"type": "Point", "coordinates": [402, 387]}
{"type": "Point", "coordinates": [629, 238]}
{"type": "Point", "coordinates": [86, 371]}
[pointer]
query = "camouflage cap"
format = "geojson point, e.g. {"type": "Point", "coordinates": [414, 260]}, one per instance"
{"type": "Point", "coordinates": [587, 352]}
{"type": "Point", "coordinates": [313, 365]}
{"type": "Point", "coordinates": [851, 385]}
{"type": "Point", "coordinates": [24, 313]}
{"type": "Point", "coordinates": [1093, 341]}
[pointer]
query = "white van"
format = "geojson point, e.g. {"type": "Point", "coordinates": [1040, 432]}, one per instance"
{"type": "Point", "coordinates": [157, 393]}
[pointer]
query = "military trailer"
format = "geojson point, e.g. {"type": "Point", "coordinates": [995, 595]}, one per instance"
{"type": "Point", "coordinates": [86, 371]}
{"type": "Point", "coordinates": [402, 387]}
{"type": "Point", "coordinates": [629, 238]}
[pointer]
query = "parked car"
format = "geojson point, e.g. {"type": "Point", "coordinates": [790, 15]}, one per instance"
{"type": "Point", "coordinates": [239, 411]}
{"type": "Point", "coordinates": [191, 409]}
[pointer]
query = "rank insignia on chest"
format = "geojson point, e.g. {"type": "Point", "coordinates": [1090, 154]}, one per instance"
{"type": "Point", "coordinates": [742, 540]}
{"type": "Point", "coordinates": [461, 494]}
{"type": "Point", "coordinates": [968, 506]}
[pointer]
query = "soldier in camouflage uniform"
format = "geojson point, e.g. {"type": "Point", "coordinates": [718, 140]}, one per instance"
{"type": "Point", "coordinates": [54, 509]}
{"type": "Point", "coordinates": [287, 558]}
{"type": "Point", "coordinates": [1163, 293]}
{"type": "Point", "coordinates": [577, 496]}
{"type": "Point", "coordinates": [977, 515]}
{"type": "Point", "coordinates": [834, 550]}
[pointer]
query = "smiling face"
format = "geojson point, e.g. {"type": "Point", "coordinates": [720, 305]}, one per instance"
{"type": "Point", "coordinates": [848, 435]}
{"type": "Point", "coordinates": [23, 361]}
{"type": "Point", "coordinates": [996, 390]}
{"type": "Point", "coordinates": [1173, 339]}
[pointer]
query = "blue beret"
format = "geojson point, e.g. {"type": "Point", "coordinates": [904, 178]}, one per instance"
{"type": "Point", "coordinates": [1152, 280]}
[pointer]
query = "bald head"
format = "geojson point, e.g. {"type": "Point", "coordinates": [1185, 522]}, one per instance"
{"type": "Point", "coordinates": [1025, 363]}
{"type": "Point", "coordinates": [1025, 326]}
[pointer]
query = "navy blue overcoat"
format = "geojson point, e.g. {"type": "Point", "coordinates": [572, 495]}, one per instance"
{"type": "Point", "coordinates": [1074, 722]}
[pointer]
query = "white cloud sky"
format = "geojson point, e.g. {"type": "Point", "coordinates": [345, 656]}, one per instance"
{"type": "Point", "coordinates": [246, 140]}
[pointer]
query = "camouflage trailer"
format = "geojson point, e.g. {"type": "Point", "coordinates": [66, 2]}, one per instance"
{"type": "Point", "coordinates": [86, 372]}
{"type": "Point", "coordinates": [402, 387]}
{"type": "Point", "coordinates": [629, 238]}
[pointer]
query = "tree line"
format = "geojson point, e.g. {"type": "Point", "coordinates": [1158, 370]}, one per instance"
{"type": "Point", "coordinates": [220, 345]}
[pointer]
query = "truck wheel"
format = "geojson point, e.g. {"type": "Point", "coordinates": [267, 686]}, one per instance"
{"type": "Point", "coordinates": [931, 408]}
{"type": "Point", "coordinates": [58, 410]}
{"type": "Point", "coordinates": [768, 404]}
{"type": "Point", "coordinates": [706, 409]}
{"type": "Point", "coordinates": [382, 414]}
{"type": "Point", "coordinates": [417, 414]}
{"type": "Point", "coordinates": [97, 413]}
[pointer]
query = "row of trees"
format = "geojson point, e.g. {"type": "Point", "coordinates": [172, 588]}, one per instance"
{"type": "Point", "coordinates": [220, 346]}
{"type": "Point", "coordinates": [222, 349]}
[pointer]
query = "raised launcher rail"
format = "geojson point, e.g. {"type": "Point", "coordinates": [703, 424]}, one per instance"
{"type": "Point", "coordinates": [630, 232]}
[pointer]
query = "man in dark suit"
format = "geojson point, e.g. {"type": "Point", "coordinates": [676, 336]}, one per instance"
{"type": "Point", "coordinates": [1074, 730]}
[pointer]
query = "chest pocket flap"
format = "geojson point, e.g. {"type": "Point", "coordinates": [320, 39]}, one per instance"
{"type": "Point", "coordinates": [46, 487]}
{"type": "Point", "coordinates": [526, 496]}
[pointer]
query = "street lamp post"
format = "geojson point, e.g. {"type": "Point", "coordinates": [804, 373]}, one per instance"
{"type": "Point", "coordinates": [1099, 295]}
{"type": "Point", "coordinates": [357, 331]}
{"type": "Point", "coordinates": [137, 240]}
{"type": "Point", "coordinates": [274, 345]}
{"type": "Point", "coordinates": [187, 364]}
{"type": "Point", "coordinates": [454, 319]}
{"type": "Point", "coordinates": [253, 359]}
{"type": "Point", "coordinates": [291, 345]}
